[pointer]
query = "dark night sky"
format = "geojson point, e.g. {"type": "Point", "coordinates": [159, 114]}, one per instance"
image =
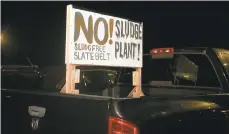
{"type": "Point", "coordinates": [37, 29]}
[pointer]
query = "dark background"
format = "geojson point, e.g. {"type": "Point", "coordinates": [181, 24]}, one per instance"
{"type": "Point", "coordinates": [37, 29]}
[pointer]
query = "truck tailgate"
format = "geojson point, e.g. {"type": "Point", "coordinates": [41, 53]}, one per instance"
{"type": "Point", "coordinates": [65, 114]}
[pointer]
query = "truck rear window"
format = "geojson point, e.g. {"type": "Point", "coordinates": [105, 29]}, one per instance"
{"type": "Point", "coordinates": [187, 70]}
{"type": "Point", "coordinates": [182, 70]}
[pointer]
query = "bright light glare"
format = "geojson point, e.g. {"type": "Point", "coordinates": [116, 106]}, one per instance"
{"type": "Point", "coordinates": [1, 37]}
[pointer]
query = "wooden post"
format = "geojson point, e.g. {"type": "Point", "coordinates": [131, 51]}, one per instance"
{"type": "Point", "coordinates": [69, 87]}
{"type": "Point", "coordinates": [70, 68]}
{"type": "Point", "coordinates": [137, 90]}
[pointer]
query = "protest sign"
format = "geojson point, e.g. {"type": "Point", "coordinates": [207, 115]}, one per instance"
{"type": "Point", "coordinates": [102, 40]}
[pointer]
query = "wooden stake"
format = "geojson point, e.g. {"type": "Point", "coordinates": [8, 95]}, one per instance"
{"type": "Point", "coordinates": [70, 83]}
{"type": "Point", "coordinates": [70, 80]}
{"type": "Point", "coordinates": [137, 90]}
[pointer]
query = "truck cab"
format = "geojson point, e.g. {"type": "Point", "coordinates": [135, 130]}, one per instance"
{"type": "Point", "coordinates": [184, 71]}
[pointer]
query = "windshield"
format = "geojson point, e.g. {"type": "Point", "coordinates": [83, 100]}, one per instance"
{"type": "Point", "coordinates": [223, 56]}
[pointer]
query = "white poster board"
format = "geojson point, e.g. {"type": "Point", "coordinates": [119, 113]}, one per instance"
{"type": "Point", "coordinates": [102, 40]}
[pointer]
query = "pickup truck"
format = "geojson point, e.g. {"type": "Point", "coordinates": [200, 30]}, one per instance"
{"type": "Point", "coordinates": [185, 91]}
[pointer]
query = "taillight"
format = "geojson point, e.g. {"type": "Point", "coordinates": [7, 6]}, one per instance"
{"type": "Point", "coordinates": [120, 126]}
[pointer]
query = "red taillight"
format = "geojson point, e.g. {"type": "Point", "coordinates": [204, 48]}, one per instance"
{"type": "Point", "coordinates": [161, 50]}
{"type": "Point", "coordinates": [120, 126]}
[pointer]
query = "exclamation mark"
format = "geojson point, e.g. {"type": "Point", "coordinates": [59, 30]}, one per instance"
{"type": "Point", "coordinates": [138, 52]}
{"type": "Point", "coordinates": [111, 24]}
